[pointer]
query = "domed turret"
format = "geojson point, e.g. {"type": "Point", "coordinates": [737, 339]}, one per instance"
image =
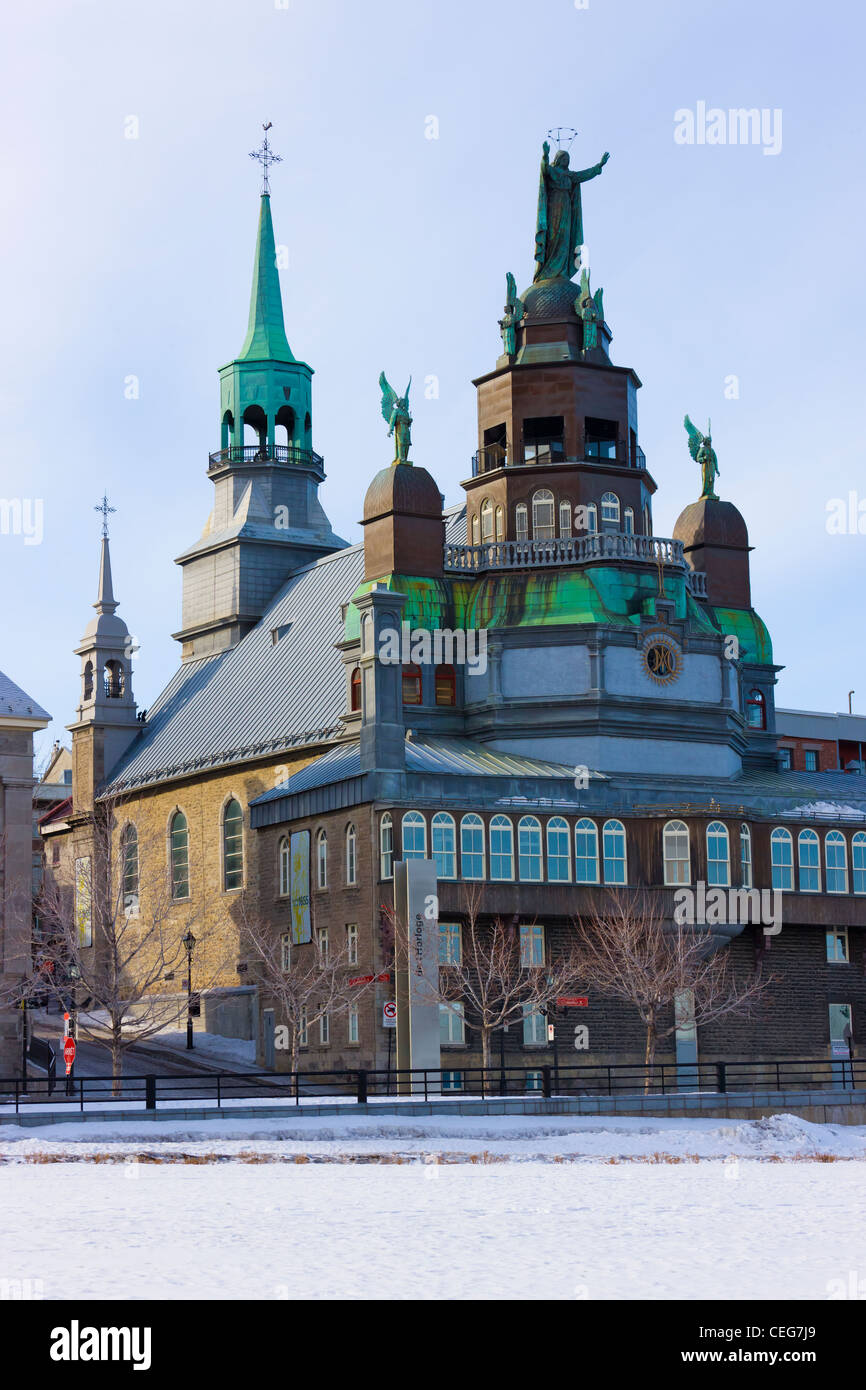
{"type": "Point", "coordinates": [404, 531]}
{"type": "Point", "coordinates": [716, 539]}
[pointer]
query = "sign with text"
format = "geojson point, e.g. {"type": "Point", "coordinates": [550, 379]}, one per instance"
{"type": "Point", "coordinates": [417, 971]}
{"type": "Point", "coordinates": [83, 902]}
{"type": "Point", "coordinates": [573, 1001]}
{"type": "Point", "coordinates": [302, 930]}
{"type": "Point", "coordinates": [389, 1013]}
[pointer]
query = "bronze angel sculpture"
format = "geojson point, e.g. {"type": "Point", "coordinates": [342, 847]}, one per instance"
{"type": "Point", "coordinates": [514, 311]}
{"type": "Point", "coordinates": [703, 453]}
{"type": "Point", "coordinates": [395, 409]}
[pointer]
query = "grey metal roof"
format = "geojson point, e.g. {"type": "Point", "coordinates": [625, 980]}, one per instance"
{"type": "Point", "coordinates": [16, 703]}
{"type": "Point", "coordinates": [260, 697]}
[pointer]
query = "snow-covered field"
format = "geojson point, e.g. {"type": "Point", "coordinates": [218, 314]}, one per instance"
{"type": "Point", "coordinates": [494, 1207]}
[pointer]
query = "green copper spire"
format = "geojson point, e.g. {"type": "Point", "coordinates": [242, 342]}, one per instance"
{"type": "Point", "coordinates": [266, 335]}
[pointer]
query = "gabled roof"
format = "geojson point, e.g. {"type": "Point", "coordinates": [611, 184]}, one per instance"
{"type": "Point", "coordinates": [262, 696]}
{"type": "Point", "coordinates": [15, 703]}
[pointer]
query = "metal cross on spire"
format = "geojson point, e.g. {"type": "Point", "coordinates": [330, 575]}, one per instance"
{"type": "Point", "coordinates": [106, 510]}
{"type": "Point", "coordinates": [266, 156]}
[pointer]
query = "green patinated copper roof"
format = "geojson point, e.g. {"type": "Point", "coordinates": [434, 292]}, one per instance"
{"type": "Point", "coordinates": [266, 335]}
{"type": "Point", "coordinates": [555, 598]}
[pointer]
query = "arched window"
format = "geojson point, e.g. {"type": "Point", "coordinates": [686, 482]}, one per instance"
{"type": "Point", "coordinates": [411, 685]}
{"type": "Point", "coordinates": [858, 861]}
{"type": "Point", "coordinates": [745, 856]}
{"type": "Point", "coordinates": [500, 523]}
{"type": "Point", "coordinates": [586, 851]}
{"type": "Point", "coordinates": [355, 689]}
{"type": "Point", "coordinates": [501, 848]}
{"type": "Point", "coordinates": [718, 855]}
{"type": "Point", "coordinates": [486, 521]}
{"type": "Point", "coordinates": [756, 710]}
{"type": "Point", "coordinates": [129, 859]}
{"type": "Point", "coordinates": [628, 521]}
{"type": "Point", "coordinates": [444, 845]}
{"type": "Point", "coordinates": [386, 846]}
{"type": "Point", "coordinates": [782, 860]}
{"type": "Point", "coordinates": [676, 852]}
{"type": "Point", "coordinates": [610, 508]}
{"type": "Point", "coordinates": [472, 847]}
{"type": "Point", "coordinates": [179, 837]}
{"type": "Point", "coordinates": [112, 679]}
{"type": "Point", "coordinates": [476, 529]}
{"type": "Point", "coordinates": [565, 518]}
{"type": "Point", "coordinates": [322, 859]}
{"type": "Point", "coordinates": [521, 522]}
{"type": "Point", "coordinates": [284, 426]}
{"type": "Point", "coordinates": [414, 836]}
{"type": "Point", "coordinates": [529, 848]}
{"type": "Point", "coordinates": [808, 853]}
{"type": "Point", "coordinates": [558, 851]}
{"type": "Point", "coordinates": [592, 518]}
{"type": "Point", "coordinates": [543, 524]}
{"type": "Point", "coordinates": [351, 854]}
{"type": "Point", "coordinates": [255, 427]}
{"type": "Point", "coordinates": [88, 680]}
{"type": "Point", "coordinates": [233, 846]}
{"type": "Point", "coordinates": [446, 685]}
{"type": "Point", "coordinates": [284, 863]}
{"type": "Point", "coordinates": [613, 845]}
{"type": "Point", "coordinates": [836, 860]}
{"type": "Point", "coordinates": [226, 430]}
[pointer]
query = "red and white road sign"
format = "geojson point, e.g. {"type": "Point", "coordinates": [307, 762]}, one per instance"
{"type": "Point", "coordinates": [68, 1053]}
{"type": "Point", "coordinates": [573, 1001]}
{"type": "Point", "coordinates": [389, 1014]}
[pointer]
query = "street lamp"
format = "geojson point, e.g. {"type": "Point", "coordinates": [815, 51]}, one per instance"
{"type": "Point", "coordinates": [189, 942]}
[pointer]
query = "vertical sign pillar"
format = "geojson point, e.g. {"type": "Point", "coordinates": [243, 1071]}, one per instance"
{"type": "Point", "coordinates": [417, 970]}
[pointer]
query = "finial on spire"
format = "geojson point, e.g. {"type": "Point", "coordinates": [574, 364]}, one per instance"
{"type": "Point", "coordinates": [266, 156]}
{"type": "Point", "coordinates": [106, 510]}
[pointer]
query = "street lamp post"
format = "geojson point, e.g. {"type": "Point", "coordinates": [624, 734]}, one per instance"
{"type": "Point", "coordinates": [189, 943]}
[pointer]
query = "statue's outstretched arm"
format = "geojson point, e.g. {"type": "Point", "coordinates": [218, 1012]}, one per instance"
{"type": "Point", "coordinates": [582, 175]}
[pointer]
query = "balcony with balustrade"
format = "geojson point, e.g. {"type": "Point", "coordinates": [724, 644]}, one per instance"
{"type": "Point", "coordinates": [273, 455]}
{"type": "Point", "coordinates": [593, 548]}
{"type": "Point", "coordinates": [540, 452]}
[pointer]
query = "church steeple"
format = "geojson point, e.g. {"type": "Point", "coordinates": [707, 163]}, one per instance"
{"type": "Point", "coordinates": [267, 519]}
{"type": "Point", "coordinates": [266, 334]}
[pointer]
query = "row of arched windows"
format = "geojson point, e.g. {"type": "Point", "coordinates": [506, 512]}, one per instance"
{"type": "Point", "coordinates": [549, 518]}
{"type": "Point", "coordinates": [232, 833]}
{"type": "Point", "coordinates": [835, 861]}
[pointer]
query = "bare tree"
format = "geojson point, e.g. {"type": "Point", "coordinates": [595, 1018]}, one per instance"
{"type": "Point", "coordinates": [493, 981]}
{"type": "Point", "coordinates": [673, 976]}
{"type": "Point", "coordinates": [115, 935]}
{"type": "Point", "coordinates": [306, 982]}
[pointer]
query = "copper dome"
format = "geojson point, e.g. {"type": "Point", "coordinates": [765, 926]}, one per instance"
{"type": "Point", "coordinates": [405, 489]}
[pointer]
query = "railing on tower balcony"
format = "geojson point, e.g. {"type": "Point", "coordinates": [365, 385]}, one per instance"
{"type": "Point", "coordinates": [289, 454]}
{"type": "Point", "coordinates": [573, 550]}
{"type": "Point", "coordinates": [539, 452]}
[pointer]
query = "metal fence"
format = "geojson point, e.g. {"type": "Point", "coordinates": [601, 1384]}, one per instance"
{"type": "Point", "coordinates": [622, 1079]}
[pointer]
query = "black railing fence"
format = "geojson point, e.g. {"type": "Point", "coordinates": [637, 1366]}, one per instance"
{"type": "Point", "coordinates": [622, 1079]}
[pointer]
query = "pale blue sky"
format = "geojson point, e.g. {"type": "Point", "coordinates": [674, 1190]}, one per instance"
{"type": "Point", "coordinates": [123, 257]}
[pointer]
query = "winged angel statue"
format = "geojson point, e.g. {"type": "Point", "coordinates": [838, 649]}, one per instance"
{"type": "Point", "coordinates": [703, 453]}
{"type": "Point", "coordinates": [395, 409]}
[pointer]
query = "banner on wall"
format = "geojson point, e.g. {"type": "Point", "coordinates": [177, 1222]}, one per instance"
{"type": "Point", "coordinates": [302, 930]}
{"type": "Point", "coordinates": [83, 902]}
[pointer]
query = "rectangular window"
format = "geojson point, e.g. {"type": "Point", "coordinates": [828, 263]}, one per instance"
{"type": "Point", "coordinates": [858, 861]}
{"type": "Point", "coordinates": [837, 945]}
{"type": "Point", "coordinates": [529, 851]}
{"type": "Point", "coordinates": [785, 755]}
{"type": "Point", "coordinates": [353, 1024]}
{"type": "Point", "coordinates": [531, 946]}
{"type": "Point", "coordinates": [352, 943]}
{"type": "Point", "coordinates": [811, 757]}
{"type": "Point", "coordinates": [324, 1030]}
{"type": "Point", "coordinates": [286, 951]}
{"type": "Point", "coordinates": [836, 852]}
{"type": "Point", "coordinates": [84, 902]}
{"type": "Point", "coordinates": [533, 1080]}
{"type": "Point", "coordinates": [452, 1081]}
{"type": "Point", "coordinates": [782, 861]}
{"type": "Point", "coordinates": [322, 937]}
{"type": "Point", "coordinates": [472, 847]}
{"type": "Point", "coordinates": [810, 870]}
{"type": "Point", "coordinates": [450, 943]}
{"type": "Point", "coordinates": [303, 1030]}
{"type": "Point", "coordinates": [452, 1025]}
{"type": "Point", "coordinates": [386, 846]}
{"type": "Point", "coordinates": [534, 1028]}
{"type": "Point", "coordinates": [746, 857]}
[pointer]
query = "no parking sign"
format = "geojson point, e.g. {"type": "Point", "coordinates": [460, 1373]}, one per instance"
{"type": "Point", "coordinates": [389, 1014]}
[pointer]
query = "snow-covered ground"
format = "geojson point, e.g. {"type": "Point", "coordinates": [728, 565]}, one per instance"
{"type": "Point", "coordinates": [495, 1207]}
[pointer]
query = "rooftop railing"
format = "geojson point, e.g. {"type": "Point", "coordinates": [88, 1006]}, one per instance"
{"type": "Point", "coordinates": [533, 453]}
{"type": "Point", "coordinates": [571, 550]}
{"type": "Point", "coordinates": [289, 454]}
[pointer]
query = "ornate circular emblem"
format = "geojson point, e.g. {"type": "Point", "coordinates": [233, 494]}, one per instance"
{"type": "Point", "coordinates": [662, 658]}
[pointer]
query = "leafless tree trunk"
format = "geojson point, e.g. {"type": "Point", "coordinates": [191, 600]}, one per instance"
{"type": "Point", "coordinates": [672, 975]}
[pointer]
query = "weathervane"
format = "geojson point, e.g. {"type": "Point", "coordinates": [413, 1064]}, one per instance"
{"type": "Point", "coordinates": [266, 156]}
{"type": "Point", "coordinates": [105, 509]}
